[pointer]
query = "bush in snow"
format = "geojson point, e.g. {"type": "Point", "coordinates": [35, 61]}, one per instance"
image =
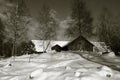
{"type": "Point", "coordinates": [77, 74]}
{"type": "Point", "coordinates": [111, 54]}
{"type": "Point", "coordinates": [105, 72]}
{"type": "Point", "coordinates": [8, 65]}
{"type": "Point", "coordinates": [82, 70]}
{"type": "Point", "coordinates": [106, 68]}
{"type": "Point", "coordinates": [68, 67]}
{"type": "Point", "coordinates": [36, 73]}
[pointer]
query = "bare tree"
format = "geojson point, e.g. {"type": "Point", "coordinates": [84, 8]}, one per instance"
{"type": "Point", "coordinates": [2, 37]}
{"type": "Point", "coordinates": [48, 25]}
{"type": "Point", "coordinates": [109, 30]}
{"type": "Point", "coordinates": [16, 24]}
{"type": "Point", "coordinates": [105, 23]}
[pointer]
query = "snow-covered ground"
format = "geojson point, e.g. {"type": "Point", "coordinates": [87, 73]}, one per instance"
{"type": "Point", "coordinates": [54, 66]}
{"type": "Point", "coordinates": [106, 59]}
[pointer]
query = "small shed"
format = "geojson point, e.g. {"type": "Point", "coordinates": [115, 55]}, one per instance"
{"type": "Point", "coordinates": [57, 48]}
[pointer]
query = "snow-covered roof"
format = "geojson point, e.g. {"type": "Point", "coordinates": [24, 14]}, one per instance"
{"type": "Point", "coordinates": [100, 45]}
{"type": "Point", "coordinates": [39, 44]}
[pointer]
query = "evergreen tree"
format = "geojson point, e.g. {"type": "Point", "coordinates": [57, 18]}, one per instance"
{"type": "Point", "coordinates": [81, 19]}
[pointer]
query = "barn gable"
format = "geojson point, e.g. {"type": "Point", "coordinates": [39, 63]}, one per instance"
{"type": "Point", "coordinates": [80, 43]}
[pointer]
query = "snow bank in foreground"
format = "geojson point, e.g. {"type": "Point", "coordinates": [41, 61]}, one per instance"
{"type": "Point", "coordinates": [55, 66]}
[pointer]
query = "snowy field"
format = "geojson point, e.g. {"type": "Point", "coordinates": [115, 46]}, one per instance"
{"type": "Point", "coordinates": [106, 59]}
{"type": "Point", "coordinates": [54, 66]}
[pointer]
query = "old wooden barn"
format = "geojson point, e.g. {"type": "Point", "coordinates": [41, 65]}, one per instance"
{"type": "Point", "coordinates": [80, 43]}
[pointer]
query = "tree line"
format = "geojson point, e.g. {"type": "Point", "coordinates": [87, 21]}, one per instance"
{"type": "Point", "coordinates": [107, 29]}
{"type": "Point", "coordinates": [15, 30]}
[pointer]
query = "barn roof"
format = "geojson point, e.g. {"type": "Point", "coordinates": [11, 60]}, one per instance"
{"type": "Point", "coordinates": [80, 38]}
{"type": "Point", "coordinates": [101, 46]}
{"type": "Point", "coordinates": [39, 44]}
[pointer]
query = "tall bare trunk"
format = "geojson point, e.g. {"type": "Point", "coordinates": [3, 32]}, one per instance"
{"type": "Point", "coordinates": [43, 46]}
{"type": "Point", "coordinates": [14, 47]}
{"type": "Point", "coordinates": [47, 45]}
{"type": "Point", "coordinates": [13, 51]}
{"type": "Point", "coordinates": [29, 58]}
